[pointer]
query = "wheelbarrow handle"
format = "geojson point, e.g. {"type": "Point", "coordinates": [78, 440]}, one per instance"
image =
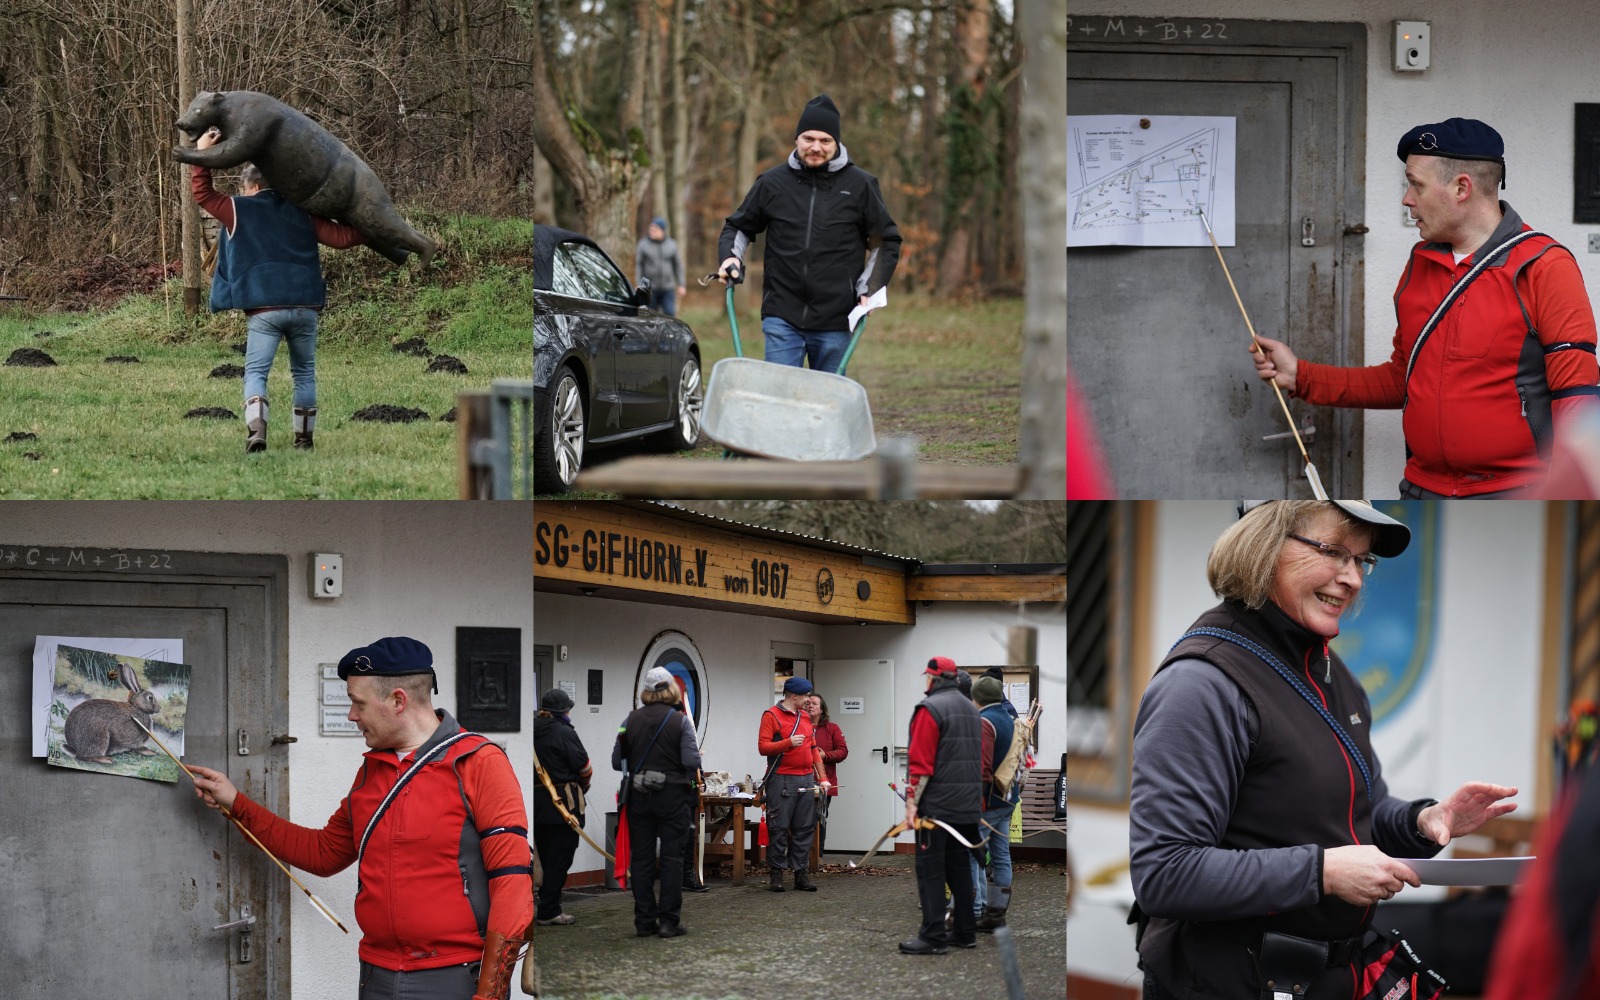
{"type": "Point", "coordinates": [855, 338]}
{"type": "Point", "coordinates": [733, 324]}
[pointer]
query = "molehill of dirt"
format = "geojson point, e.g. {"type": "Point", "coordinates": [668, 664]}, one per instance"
{"type": "Point", "coordinates": [384, 413]}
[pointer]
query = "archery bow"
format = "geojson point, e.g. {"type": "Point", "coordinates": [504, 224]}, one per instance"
{"type": "Point", "coordinates": [700, 843]}
{"type": "Point", "coordinates": [572, 821]}
{"type": "Point", "coordinates": [922, 823]}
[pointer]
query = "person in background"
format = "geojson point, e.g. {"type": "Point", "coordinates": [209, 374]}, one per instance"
{"type": "Point", "coordinates": [830, 740]}
{"type": "Point", "coordinates": [657, 260]}
{"type": "Point", "coordinates": [992, 900]}
{"type": "Point", "coordinates": [562, 756]}
{"type": "Point", "coordinates": [656, 750]}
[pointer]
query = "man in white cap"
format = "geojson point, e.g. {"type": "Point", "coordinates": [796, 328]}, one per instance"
{"type": "Point", "coordinates": [657, 754]}
{"type": "Point", "coordinates": [795, 768]}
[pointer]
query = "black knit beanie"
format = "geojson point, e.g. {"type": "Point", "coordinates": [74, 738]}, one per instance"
{"type": "Point", "coordinates": [821, 115]}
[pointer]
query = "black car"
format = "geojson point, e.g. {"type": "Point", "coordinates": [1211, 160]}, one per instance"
{"type": "Point", "coordinates": [606, 367]}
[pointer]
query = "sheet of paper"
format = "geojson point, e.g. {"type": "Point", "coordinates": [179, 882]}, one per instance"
{"type": "Point", "coordinates": [877, 300]}
{"type": "Point", "coordinates": [1142, 180]}
{"type": "Point", "coordinates": [44, 667]}
{"type": "Point", "coordinates": [1468, 871]}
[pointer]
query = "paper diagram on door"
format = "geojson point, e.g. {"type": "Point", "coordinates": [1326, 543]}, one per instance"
{"type": "Point", "coordinates": [101, 706]}
{"type": "Point", "coordinates": [1143, 180]}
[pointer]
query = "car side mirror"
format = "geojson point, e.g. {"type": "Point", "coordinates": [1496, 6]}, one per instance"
{"type": "Point", "coordinates": [641, 296]}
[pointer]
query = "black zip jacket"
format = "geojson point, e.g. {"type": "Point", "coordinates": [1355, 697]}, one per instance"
{"type": "Point", "coordinates": [830, 239]}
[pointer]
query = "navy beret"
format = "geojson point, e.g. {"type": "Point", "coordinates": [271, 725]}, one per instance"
{"type": "Point", "coordinates": [394, 656]}
{"type": "Point", "coordinates": [1456, 138]}
{"type": "Point", "coordinates": [797, 685]}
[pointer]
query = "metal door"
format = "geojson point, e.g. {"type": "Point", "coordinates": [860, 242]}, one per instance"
{"type": "Point", "coordinates": [113, 886]}
{"type": "Point", "coordinates": [1155, 338]}
{"type": "Point", "coordinates": [865, 806]}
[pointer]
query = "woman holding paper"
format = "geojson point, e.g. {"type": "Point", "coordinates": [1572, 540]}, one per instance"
{"type": "Point", "coordinates": [1260, 824]}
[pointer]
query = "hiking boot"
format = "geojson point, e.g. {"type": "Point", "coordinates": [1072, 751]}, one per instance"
{"type": "Point", "coordinates": [255, 424]}
{"type": "Point", "coordinates": [994, 913]}
{"type": "Point", "coordinates": [559, 920]}
{"type": "Point", "coordinates": [775, 880]}
{"type": "Point", "coordinates": [672, 930]}
{"type": "Point", "coordinates": [803, 883]}
{"type": "Point", "coordinates": [305, 424]}
{"type": "Point", "coordinates": [919, 946]}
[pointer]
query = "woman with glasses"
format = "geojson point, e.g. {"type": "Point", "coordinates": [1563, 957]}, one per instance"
{"type": "Point", "coordinates": [1262, 834]}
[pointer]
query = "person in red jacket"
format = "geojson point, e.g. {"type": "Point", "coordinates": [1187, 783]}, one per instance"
{"type": "Point", "coordinates": [1509, 361]}
{"type": "Point", "coordinates": [830, 740]}
{"type": "Point", "coordinates": [457, 824]}
{"type": "Point", "coordinates": [786, 735]}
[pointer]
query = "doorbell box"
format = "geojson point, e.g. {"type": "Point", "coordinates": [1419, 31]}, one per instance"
{"type": "Point", "coordinates": [327, 574]}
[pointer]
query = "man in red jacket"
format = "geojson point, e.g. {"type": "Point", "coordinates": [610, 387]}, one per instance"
{"type": "Point", "coordinates": [458, 824]}
{"type": "Point", "coordinates": [786, 733]}
{"type": "Point", "coordinates": [1488, 373]}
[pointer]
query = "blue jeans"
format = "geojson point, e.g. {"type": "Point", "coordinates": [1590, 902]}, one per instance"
{"type": "Point", "coordinates": [999, 845]}
{"type": "Point", "coordinates": [299, 328]}
{"type": "Point", "coordinates": [788, 346]}
{"type": "Point", "coordinates": [664, 300]}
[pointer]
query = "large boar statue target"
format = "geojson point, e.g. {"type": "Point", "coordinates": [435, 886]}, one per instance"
{"type": "Point", "coordinates": [302, 161]}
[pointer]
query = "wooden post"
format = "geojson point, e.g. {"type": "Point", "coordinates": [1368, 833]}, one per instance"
{"type": "Point", "coordinates": [472, 423]}
{"type": "Point", "coordinates": [1022, 646]}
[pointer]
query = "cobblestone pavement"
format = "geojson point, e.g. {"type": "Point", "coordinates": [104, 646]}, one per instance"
{"type": "Point", "coordinates": [839, 942]}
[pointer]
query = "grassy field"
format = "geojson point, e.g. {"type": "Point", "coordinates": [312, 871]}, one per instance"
{"type": "Point", "coordinates": [947, 373]}
{"type": "Point", "coordinates": [111, 431]}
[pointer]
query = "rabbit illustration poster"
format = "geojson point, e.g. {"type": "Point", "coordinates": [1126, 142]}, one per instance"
{"type": "Point", "coordinates": [99, 703]}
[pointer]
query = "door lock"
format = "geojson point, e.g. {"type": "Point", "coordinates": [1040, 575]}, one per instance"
{"type": "Point", "coordinates": [1308, 232]}
{"type": "Point", "coordinates": [244, 742]}
{"type": "Point", "coordinates": [242, 925]}
{"type": "Point", "coordinates": [882, 750]}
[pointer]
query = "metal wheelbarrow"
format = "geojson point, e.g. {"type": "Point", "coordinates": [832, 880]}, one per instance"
{"type": "Point", "coordinates": [778, 411]}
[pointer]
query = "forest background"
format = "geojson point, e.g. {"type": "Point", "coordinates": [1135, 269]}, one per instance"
{"type": "Point", "coordinates": [672, 107]}
{"type": "Point", "coordinates": [433, 94]}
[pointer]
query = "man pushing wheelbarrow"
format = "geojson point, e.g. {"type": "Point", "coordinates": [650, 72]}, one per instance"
{"type": "Point", "coordinates": [831, 243]}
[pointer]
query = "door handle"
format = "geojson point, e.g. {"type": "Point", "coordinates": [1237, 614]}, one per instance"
{"type": "Point", "coordinates": [243, 924]}
{"type": "Point", "coordinates": [882, 750]}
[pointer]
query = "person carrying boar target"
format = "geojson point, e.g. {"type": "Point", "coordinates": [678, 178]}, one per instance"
{"type": "Point", "coordinates": [268, 266]}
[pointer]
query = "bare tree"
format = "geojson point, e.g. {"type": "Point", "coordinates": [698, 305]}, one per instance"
{"type": "Point", "coordinates": [606, 181]}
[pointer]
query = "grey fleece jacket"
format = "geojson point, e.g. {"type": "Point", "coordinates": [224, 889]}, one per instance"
{"type": "Point", "coordinates": [1191, 740]}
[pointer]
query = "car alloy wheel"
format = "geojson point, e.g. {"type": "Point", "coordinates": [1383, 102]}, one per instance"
{"type": "Point", "coordinates": [567, 428]}
{"type": "Point", "coordinates": [691, 402]}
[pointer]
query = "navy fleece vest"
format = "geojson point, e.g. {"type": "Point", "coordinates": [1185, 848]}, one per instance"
{"type": "Point", "coordinates": [269, 261]}
{"type": "Point", "coordinates": [1299, 787]}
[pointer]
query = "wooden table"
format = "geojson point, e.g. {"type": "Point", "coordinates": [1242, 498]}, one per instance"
{"type": "Point", "coordinates": [734, 821]}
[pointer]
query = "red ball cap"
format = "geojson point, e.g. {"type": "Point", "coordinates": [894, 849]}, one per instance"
{"type": "Point", "coordinates": [941, 665]}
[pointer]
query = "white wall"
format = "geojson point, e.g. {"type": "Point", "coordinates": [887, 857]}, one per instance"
{"type": "Point", "coordinates": [969, 634]}
{"type": "Point", "coordinates": [412, 568]}
{"type": "Point", "coordinates": [1520, 69]}
{"type": "Point", "coordinates": [1474, 718]}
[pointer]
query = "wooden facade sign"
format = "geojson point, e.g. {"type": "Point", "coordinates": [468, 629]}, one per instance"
{"type": "Point", "coordinates": [577, 546]}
